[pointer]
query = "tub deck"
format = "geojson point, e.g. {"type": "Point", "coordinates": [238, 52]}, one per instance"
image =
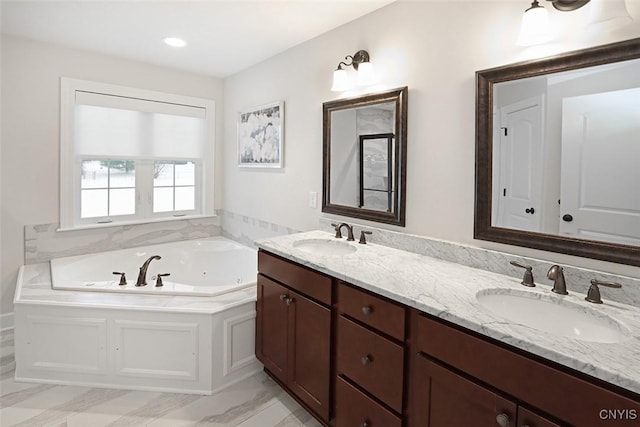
{"type": "Point", "coordinates": [34, 287]}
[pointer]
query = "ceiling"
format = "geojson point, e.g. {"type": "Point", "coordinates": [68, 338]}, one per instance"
{"type": "Point", "coordinates": [223, 36]}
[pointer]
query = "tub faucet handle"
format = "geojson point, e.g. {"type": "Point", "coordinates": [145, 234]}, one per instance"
{"type": "Point", "coordinates": [159, 279]}
{"type": "Point", "coordinates": [123, 279]}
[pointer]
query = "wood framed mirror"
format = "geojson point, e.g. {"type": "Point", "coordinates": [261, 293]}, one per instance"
{"type": "Point", "coordinates": [364, 156]}
{"type": "Point", "coordinates": [558, 153]}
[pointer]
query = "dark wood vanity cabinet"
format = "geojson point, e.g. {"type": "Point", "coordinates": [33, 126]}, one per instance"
{"type": "Point", "coordinates": [293, 330]}
{"type": "Point", "coordinates": [354, 358]}
{"type": "Point", "coordinates": [460, 379]}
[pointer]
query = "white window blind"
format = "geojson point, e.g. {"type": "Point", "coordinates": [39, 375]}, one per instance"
{"type": "Point", "coordinates": [116, 126]}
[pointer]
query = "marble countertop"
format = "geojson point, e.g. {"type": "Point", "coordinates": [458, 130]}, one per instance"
{"type": "Point", "coordinates": [448, 291]}
{"type": "Point", "coordinates": [34, 287]}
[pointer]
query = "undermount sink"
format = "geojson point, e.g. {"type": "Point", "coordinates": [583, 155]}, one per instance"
{"type": "Point", "coordinates": [325, 247]}
{"type": "Point", "coordinates": [552, 315]}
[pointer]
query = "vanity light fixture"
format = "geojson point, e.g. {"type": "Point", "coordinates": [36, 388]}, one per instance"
{"type": "Point", "coordinates": [364, 69]}
{"type": "Point", "coordinates": [174, 42]}
{"type": "Point", "coordinates": [536, 27]}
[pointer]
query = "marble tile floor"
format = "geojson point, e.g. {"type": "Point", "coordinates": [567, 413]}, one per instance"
{"type": "Point", "coordinates": [254, 402]}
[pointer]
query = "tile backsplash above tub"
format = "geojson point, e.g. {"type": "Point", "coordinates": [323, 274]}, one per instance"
{"type": "Point", "coordinates": [43, 242]}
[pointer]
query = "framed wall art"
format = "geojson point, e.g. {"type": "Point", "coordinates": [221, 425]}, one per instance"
{"type": "Point", "coordinates": [260, 136]}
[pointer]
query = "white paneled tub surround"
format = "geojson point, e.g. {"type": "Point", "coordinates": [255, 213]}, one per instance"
{"type": "Point", "coordinates": [173, 343]}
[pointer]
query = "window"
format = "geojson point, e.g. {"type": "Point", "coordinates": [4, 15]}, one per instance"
{"type": "Point", "coordinates": [107, 188]}
{"type": "Point", "coordinates": [174, 186]}
{"type": "Point", "coordinates": [130, 155]}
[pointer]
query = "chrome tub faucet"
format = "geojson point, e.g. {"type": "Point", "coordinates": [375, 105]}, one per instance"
{"type": "Point", "coordinates": [142, 276]}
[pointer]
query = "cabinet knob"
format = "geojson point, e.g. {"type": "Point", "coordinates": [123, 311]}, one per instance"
{"type": "Point", "coordinates": [367, 310]}
{"type": "Point", "coordinates": [289, 301]}
{"type": "Point", "coordinates": [364, 424]}
{"type": "Point", "coordinates": [283, 297]}
{"type": "Point", "coordinates": [502, 420]}
{"type": "Point", "coordinates": [366, 360]}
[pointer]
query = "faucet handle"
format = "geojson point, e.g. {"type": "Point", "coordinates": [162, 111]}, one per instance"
{"type": "Point", "coordinates": [527, 279]}
{"type": "Point", "coordinates": [123, 279]}
{"type": "Point", "coordinates": [159, 279]}
{"type": "Point", "coordinates": [363, 239]}
{"type": "Point", "coordinates": [593, 294]}
{"type": "Point", "coordinates": [338, 232]}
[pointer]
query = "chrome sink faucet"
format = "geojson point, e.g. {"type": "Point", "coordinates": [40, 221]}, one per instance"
{"type": "Point", "coordinates": [556, 274]}
{"type": "Point", "coordinates": [338, 228]}
{"type": "Point", "coordinates": [142, 276]}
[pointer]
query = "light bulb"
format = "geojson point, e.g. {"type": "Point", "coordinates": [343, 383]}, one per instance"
{"type": "Point", "coordinates": [340, 80]}
{"type": "Point", "coordinates": [366, 76]}
{"type": "Point", "coordinates": [535, 28]}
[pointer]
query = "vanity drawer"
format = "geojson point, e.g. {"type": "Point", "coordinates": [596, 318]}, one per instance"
{"type": "Point", "coordinates": [569, 398]}
{"type": "Point", "coordinates": [373, 311]}
{"type": "Point", "coordinates": [308, 282]}
{"type": "Point", "coordinates": [372, 361]}
{"type": "Point", "coordinates": [354, 408]}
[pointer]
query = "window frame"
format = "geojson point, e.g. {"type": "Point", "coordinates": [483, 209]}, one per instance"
{"type": "Point", "coordinates": [70, 167]}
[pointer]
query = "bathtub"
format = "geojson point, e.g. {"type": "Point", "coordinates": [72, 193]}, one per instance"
{"type": "Point", "coordinates": [205, 267]}
{"type": "Point", "coordinates": [195, 334]}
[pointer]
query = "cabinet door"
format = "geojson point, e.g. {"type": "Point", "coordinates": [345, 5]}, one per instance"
{"type": "Point", "coordinates": [442, 398]}
{"type": "Point", "coordinates": [272, 327]}
{"type": "Point", "coordinates": [309, 353]}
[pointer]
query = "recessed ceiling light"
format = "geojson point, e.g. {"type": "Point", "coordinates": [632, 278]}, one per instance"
{"type": "Point", "coordinates": [174, 42]}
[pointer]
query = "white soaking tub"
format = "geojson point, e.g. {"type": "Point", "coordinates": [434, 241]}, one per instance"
{"type": "Point", "coordinates": [195, 334]}
{"type": "Point", "coordinates": [205, 267]}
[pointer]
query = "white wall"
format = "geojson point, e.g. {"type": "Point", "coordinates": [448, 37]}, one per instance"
{"type": "Point", "coordinates": [31, 74]}
{"type": "Point", "coordinates": [434, 48]}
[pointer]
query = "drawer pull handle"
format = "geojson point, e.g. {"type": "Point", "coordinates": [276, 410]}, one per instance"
{"type": "Point", "coordinates": [366, 360]}
{"type": "Point", "coordinates": [503, 420]}
{"type": "Point", "coordinates": [367, 310]}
